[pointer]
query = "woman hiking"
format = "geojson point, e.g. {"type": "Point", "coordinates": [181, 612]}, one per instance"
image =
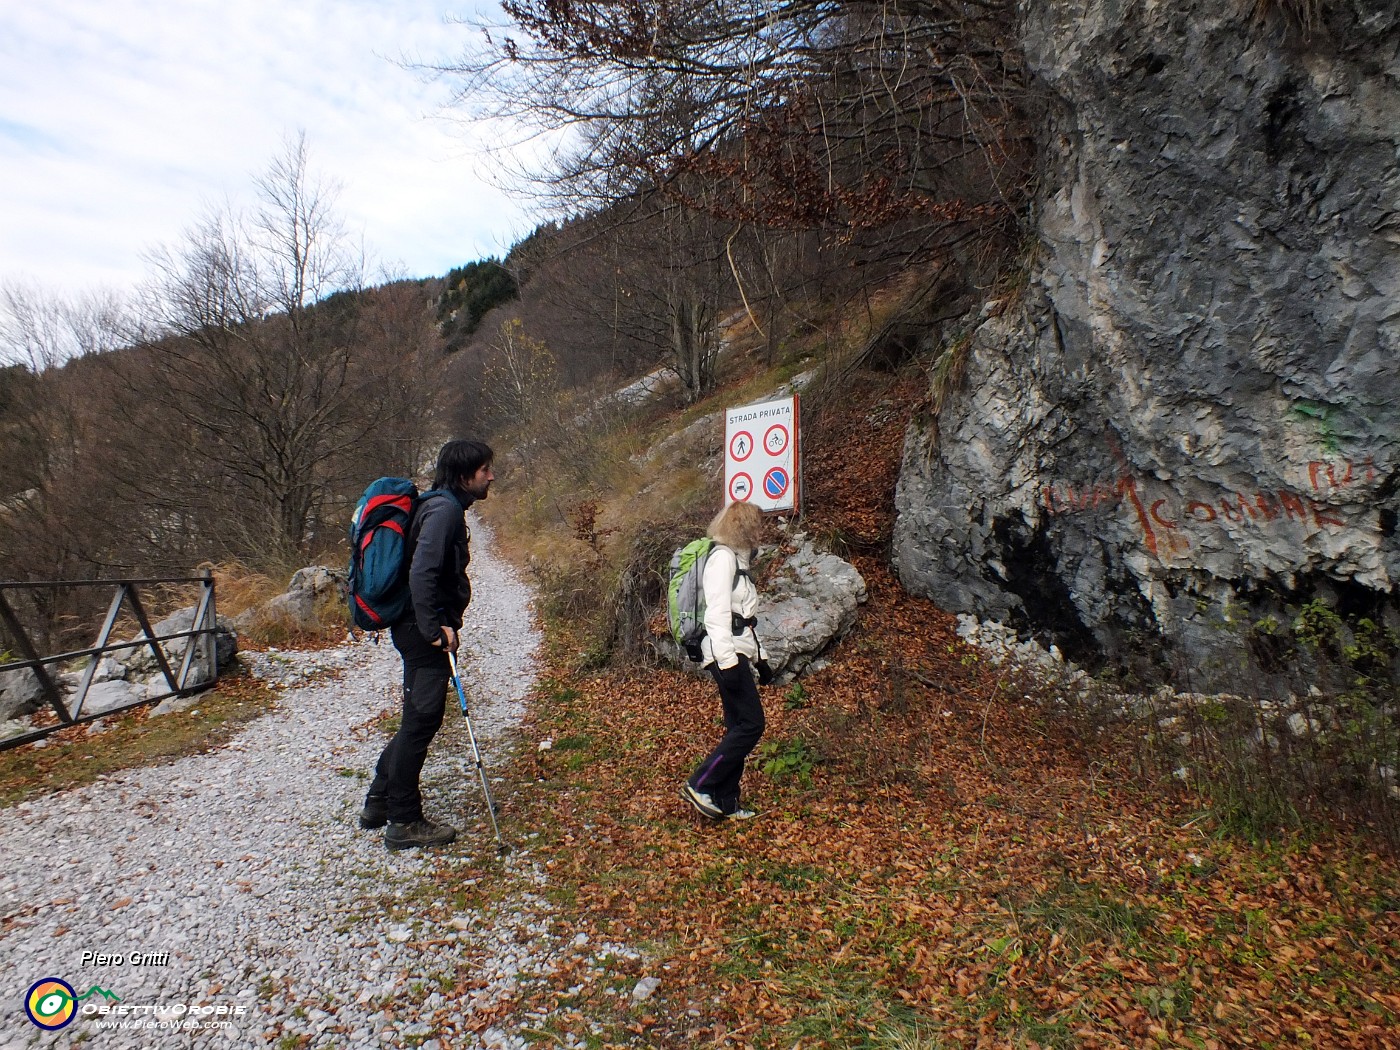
{"type": "Point", "coordinates": [731, 653]}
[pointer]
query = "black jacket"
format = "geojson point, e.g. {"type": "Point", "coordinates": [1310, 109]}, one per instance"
{"type": "Point", "coordinates": [437, 575]}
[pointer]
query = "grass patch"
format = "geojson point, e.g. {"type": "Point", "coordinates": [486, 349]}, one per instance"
{"type": "Point", "coordinates": [77, 756]}
{"type": "Point", "coordinates": [1084, 913]}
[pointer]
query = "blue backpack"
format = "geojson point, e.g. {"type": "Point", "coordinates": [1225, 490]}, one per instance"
{"type": "Point", "coordinates": [379, 552]}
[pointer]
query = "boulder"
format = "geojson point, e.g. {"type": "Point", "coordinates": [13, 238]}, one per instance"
{"type": "Point", "coordinates": [320, 580]}
{"type": "Point", "coordinates": [20, 693]}
{"type": "Point", "coordinates": [810, 602]}
{"type": "Point", "coordinates": [109, 696]}
{"type": "Point", "coordinates": [297, 606]}
{"type": "Point", "coordinates": [142, 662]}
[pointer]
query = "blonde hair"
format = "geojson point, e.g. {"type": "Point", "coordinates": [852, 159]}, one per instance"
{"type": "Point", "coordinates": [739, 526]}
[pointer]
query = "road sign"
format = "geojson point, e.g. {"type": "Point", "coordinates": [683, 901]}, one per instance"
{"type": "Point", "coordinates": [775, 459]}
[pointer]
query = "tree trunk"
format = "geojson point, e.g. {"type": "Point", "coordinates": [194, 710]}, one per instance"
{"type": "Point", "coordinates": [693, 346]}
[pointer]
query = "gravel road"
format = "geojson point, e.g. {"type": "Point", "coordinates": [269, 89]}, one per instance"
{"type": "Point", "coordinates": [235, 897]}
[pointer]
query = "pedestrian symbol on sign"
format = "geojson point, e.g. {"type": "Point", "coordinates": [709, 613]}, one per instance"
{"type": "Point", "coordinates": [741, 446]}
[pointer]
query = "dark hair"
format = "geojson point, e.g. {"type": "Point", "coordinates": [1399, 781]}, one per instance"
{"type": "Point", "coordinates": [460, 459]}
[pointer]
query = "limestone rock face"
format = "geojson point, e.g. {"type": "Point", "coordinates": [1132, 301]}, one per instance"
{"type": "Point", "coordinates": [142, 662]}
{"type": "Point", "coordinates": [1190, 419]}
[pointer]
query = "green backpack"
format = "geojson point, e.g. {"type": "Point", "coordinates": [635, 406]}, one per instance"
{"type": "Point", "coordinates": [685, 595]}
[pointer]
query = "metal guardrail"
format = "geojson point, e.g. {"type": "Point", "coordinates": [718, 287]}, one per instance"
{"type": "Point", "coordinates": [126, 595]}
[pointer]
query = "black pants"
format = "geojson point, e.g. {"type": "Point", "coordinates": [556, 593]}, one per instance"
{"type": "Point", "coordinates": [425, 676]}
{"type": "Point", "coordinates": [718, 776]}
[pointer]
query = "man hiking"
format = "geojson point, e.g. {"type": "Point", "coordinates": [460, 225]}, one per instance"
{"type": "Point", "coordinates": [438, 554]}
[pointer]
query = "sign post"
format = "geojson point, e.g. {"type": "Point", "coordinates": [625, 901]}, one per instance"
{"type": "Point", "coordinates": [761, 455]}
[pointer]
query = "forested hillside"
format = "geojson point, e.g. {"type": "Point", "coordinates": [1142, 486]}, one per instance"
{"type": "Point", "coordinates": [750, 186]}
{"type": "Point", "coordinates": [1092, 310]}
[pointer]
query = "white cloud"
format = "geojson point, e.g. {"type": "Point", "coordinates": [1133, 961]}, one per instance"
{"type": "Point", "coordinates": [122, 122]}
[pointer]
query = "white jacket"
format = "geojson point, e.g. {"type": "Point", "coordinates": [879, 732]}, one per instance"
{"type": "Point", "coordinates": [725, 595]}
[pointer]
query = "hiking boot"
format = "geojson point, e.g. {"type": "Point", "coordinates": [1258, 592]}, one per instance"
{"type": "Point", "coordinates": [422, 832]}
{"type": "Point", "coordinates": [741, 814]}
{"type": "Point", "coordinates": [376, 812]}
{"type": "Point", "coordinates": [703, 803]}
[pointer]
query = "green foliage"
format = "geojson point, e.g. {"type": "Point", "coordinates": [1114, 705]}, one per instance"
{"type": "Point", "coordinates": [781, 759]}
{"type": "Point", "coordinates": [1317, 624]}
{"type": "Point", "coordinates": [1085, 913]}
{"type": "Point", "coordinates": [470, 292]}
{"type": "Point", "coordinates": [1249, 804]}
{"type": "Point", "coordinates": [910, 1036]}
{"type": "Point", "coordinates": [796, 697]}
{"type": "Point", "coordinates": [1273, 766]}
{"type": "Point", "coordinates": [559, 694]}
{"type": "Point", "coordinates": [1371, 648]}
{"type": "Point", "coordinates": [1322, 415]}
{"type": "Point", "coordinates": [948, 371]}
{"type": "Point", "coordinates": [1166, 1002]}
{"type": "Point", "coordinates": [1362, 651]}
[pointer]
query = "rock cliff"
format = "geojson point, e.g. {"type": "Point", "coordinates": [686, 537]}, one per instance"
{"type": "Point", "coordinates": [1187, 424]}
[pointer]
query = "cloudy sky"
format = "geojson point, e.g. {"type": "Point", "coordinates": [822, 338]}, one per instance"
{"type": "Point", "coordinates": [122, 122]}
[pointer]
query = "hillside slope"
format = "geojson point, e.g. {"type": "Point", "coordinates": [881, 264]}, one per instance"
{"type": "Point", "coordinates": [945, 855]}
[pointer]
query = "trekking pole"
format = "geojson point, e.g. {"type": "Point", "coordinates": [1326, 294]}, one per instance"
{"type": "Point", "coordinates": [476, 753]}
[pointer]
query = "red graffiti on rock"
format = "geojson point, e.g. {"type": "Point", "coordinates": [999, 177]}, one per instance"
{"type": "Point", "coordinates": [1167, 518]}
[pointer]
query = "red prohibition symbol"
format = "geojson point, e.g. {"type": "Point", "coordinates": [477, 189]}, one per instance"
{"type": "Point", "coordinates": [775, 440]}
{"type": "Point", "coordinates": [741, 446]}
{"type": "Point", "coordinates": [775, 483]}
{"type": "Point", "coordinates": [740, 488]}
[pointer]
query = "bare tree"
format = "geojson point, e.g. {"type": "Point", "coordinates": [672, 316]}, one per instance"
{"type": "Point", "coordinates": [756, 152]}
{"type": "Point", "coordinates": [520, 382]}
{"type": "Point", "coordinates": [270, 364]}
{"type": "Point", "coordinates": [796, 113]}
{"type": "Point", "coordinates": [40, 409]}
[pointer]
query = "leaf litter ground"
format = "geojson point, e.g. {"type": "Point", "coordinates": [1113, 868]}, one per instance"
{"type": "Point", "coordinates": [962, 866]}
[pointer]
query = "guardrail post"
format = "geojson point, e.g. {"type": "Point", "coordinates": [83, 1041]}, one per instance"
{"type": "Point", "coordinates": [81, 696]}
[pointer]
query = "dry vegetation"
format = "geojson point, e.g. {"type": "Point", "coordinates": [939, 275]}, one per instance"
{"type": "Point", "coordinates": [940, 860]}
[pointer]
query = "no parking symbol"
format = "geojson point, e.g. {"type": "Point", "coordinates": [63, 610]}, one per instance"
{"type": "Point", "coordinates": [775, 483]}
